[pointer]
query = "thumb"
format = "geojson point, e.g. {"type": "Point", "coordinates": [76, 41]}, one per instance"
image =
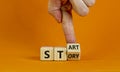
{"type": "Point", "coordinates": [54, 9]}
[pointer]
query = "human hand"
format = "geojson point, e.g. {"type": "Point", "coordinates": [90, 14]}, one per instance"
{"type": "Point", "coordinates": [61, 11]}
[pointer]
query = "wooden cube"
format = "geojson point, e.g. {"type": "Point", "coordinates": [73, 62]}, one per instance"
{"type": "Point", "coordinates": [73, 51]}
{"type": "Point", "coordinates": [60, 54]}
{"type": "Point", "coordinates": [46, 53]}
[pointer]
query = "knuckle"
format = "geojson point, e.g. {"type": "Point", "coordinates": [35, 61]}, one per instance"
{"type": "Point", "coordinates": [92, 2]}
{"type": "Point", "coordinates": [84, 12]}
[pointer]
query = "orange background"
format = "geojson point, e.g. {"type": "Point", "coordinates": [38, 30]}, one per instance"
{"type": "Point", "coordinates": [25, 26]}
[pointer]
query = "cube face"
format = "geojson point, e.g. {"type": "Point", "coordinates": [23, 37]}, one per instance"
{"type": "Point", "coordinates": [73, 51]}
{"type": "Point", "coordinates": [60, 54]}
{"type": "Point", "coordinates": [73, 56]}
{"type": "Point", "coordinates": [46, 53]}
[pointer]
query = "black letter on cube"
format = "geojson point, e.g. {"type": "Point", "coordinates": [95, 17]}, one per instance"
{"type": "Point", "coordinates": [46, 53]}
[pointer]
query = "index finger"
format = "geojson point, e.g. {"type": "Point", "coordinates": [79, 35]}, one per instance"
{"type": "Point", "coordinates": [68, 28]}
{"type": "Point", "coordinates": [67, 23]}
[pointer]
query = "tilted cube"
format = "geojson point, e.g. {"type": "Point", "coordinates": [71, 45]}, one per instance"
{"type": "Point", "coordinates": [73, 51]}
